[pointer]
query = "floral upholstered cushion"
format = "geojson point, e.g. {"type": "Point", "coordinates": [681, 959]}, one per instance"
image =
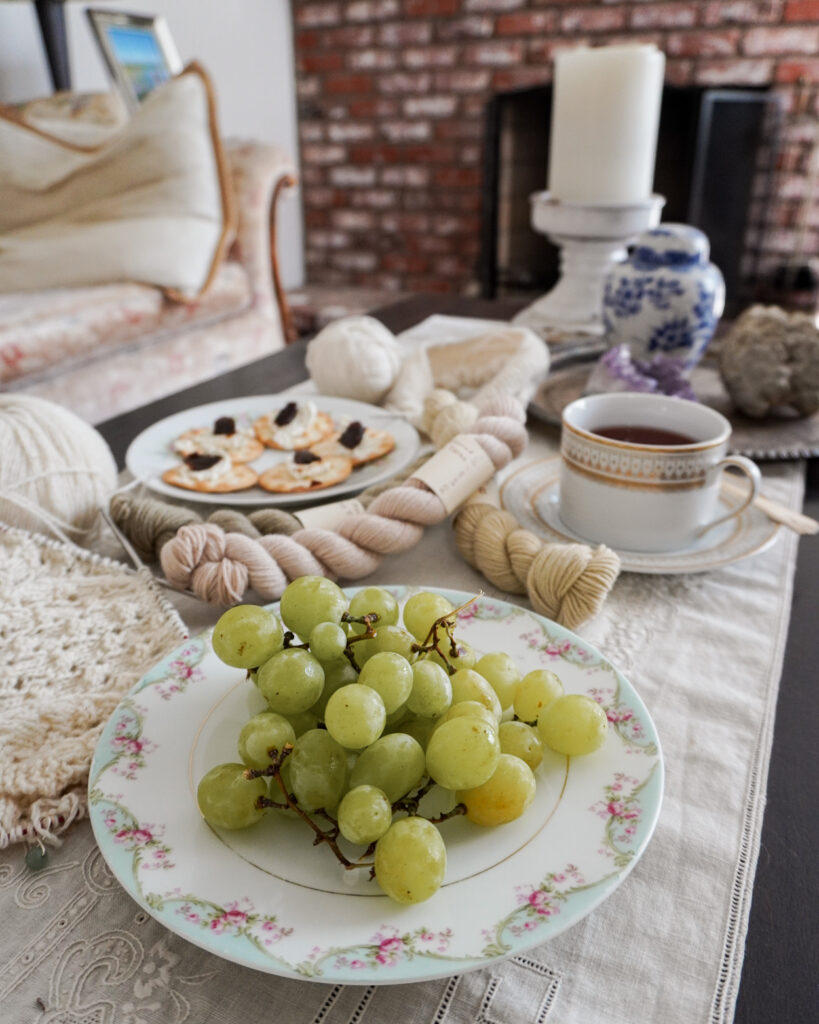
{"type": "Point", "coordinates": [43, 330]}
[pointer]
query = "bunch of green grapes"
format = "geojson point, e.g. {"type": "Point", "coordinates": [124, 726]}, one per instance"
{"type": "Point", "coordinates": [368, 708]}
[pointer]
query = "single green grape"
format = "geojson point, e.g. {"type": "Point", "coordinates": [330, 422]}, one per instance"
{"type": "Point", "coordinates": [467, 684]}
{"type": "Point", "coordinates": [420, 729]}
{"type": "Point", "coordinates": [337, 673]}
{"type": "Point", "coordinates": [364, 814]}
{"type": "Point", "coordinates": [291, 681]}
{"type": "Point", "coordinates": [262, 733]}
{"type": "Point", "coordinates": [464, 656]}
{"type": "Point", "coordinates": [390, 675]}
{"type": "Point", "coordinates": [327, 641]}
{"type": "Point", "coordinates": [309, 600]}
{"type": "Point", "coordinates": [410, 860]}
{"type": "Point", "coordinates": [462, 753]}
{"type": "Point", "coordinates": [521, 740]}
{"type": "Point", "coordinates": [503, 675]}
{"type": "Point", "coordinates": [303, 721]}
{"type": "Point", "coordinates": [573, 724]}
{"type": "Point", "coordinates": [355, 716]}
{"type": "Point", "coordinates": [394, 763]}
{"type": "Point", "coordinates": [431, 692]}
{"type": "Point", "coordinates": [246, 636]}
{"type": "Point", "coordinates": [227, 799]}
{"type": "Point", "coordinates": [377, 600]}
{"type": "Point", "coordinates": [468, 709]}
{"type": "Point", "coordinates": [504, 796]}
{"type": "Point", "coordinates": [317, 770]}
{"type": "Point", "coordinates": [535, 692]}
{"type": "Point", "coordinates": [422, 610]}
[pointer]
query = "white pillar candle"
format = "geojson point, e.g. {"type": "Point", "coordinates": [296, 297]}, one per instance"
{"type": "Point", "coordinates": [605, 115]}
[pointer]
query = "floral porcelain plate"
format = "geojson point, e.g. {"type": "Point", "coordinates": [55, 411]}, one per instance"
{"type": "Point", "coordinates": [268, 899]}
{"type": "Point", "coordinates": [532, 494]}
{"type": "Point", "coordinates": [150, 453]}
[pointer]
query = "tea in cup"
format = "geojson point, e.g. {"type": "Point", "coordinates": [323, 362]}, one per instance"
{"type": "Point", "coordinates": [641, 472]}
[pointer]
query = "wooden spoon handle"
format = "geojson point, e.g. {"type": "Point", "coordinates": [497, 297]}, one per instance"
{"type": "Point", "coordinates": [776, 511]}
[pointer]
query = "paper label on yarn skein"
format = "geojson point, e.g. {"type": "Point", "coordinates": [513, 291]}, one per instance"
{"type": "Point", "coordinates": [327, 517]}
{"type": "Point", "coordinates": [456, 471]}
{"type": "Point", "coordinates": [486, 494]}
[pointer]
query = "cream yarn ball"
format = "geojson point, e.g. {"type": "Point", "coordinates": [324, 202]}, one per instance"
{"type": "Point", "coordinates": [355, 357]}
{"type": "Point", "coordinates": [56, 470]}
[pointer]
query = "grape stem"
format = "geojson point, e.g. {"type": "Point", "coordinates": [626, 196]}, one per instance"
{"type": "Point", "coordinates": [432, 642]}
{"type": "Point", "coordinates": [288, 642]}
{"type": "Point", "coordinates": [274, 770]}
{"type": "Point", "coordinates": [368, 621]}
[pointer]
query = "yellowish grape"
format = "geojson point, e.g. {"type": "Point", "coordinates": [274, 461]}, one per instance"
{"type": "Point", "coordinates": [503, 797]}
{"type": "Point", "coordinates": [535, 692]}
{"type": "Point", "coordinates": [573, 724]}
{"type": "Point", "coordinates": [410, 860]}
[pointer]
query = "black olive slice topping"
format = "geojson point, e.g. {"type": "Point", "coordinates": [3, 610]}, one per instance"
{"type": "Point", "coordinates": [305, 457]}
{"type": "Point", "coordinates": [351, 437]}
{"type": "Point", "coordinates": [225, 425]}
{"type": "Point", "coordinates": [199, 462]}
{"type": "Point", "coordinates": [286, 415]}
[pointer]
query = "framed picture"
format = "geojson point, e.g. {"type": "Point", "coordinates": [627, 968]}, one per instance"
{"type": "Point", "coordinates": [138, 49]}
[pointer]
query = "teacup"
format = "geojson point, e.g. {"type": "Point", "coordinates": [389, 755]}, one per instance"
{"type": "Point", "coordinates": [658, 490]}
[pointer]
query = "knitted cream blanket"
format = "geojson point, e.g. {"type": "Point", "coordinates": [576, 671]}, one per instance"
{"type": "Point", "coordinates": [76, 632]}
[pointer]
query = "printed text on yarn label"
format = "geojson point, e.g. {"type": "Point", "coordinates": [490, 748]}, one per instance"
{"type": "Point", "coordinates": [456, 471]}
{"type": "Point", "coordinates": [327, 517]}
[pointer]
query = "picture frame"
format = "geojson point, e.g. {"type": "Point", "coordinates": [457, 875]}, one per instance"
{"type": "Point", "coordinates": [138, 50]}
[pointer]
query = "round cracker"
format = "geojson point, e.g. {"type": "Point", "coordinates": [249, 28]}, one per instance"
{"type": "Point", "coordinates": [382, 443]}
{"type": "Point", "coordinates": [239, 479]}
{"type": "Point", "coordinates": [240, 447]}
{"type": "Point", "coordinates": [321, 427]}
{"type": "Point", "coordinates": [280, 480]}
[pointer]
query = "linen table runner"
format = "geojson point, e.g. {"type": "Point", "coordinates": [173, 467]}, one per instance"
{"type": "Point", "coordinates": [704, 652]}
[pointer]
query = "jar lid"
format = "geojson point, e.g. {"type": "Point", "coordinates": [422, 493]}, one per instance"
{"type": "Point", "coordinates": [670, 245]}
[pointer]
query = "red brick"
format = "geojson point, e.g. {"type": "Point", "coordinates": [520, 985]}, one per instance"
{"type": "Point", "coordinates": [791, 71]}
{"type": "Point", "coordinates": [520, 78]}
{"type": "Point", "coordinates": [493, 5]}
{"type": "Point", "coordinates": [457, 177]}
{"type": "Point", "coordinates": [349, 37]}
{"type": "Point", "coordinates": [406, 177]}
{"type": "Point", "coordinates": [495, 54]}
{"type": "Point", "coordinates": [593, 19]}
{"type": "Point", "coordinates": [405, 222]}
{"type": "Point", "coordinates": [733, 72]}
{"type": "Point", "coordinates": [673, 15]}
{"type": "Point", "coordinates": [372, 10]}
{"type": "Point", "coordinates": [459, 130]}
{"type": "Point", "coordinates": [351, 177]}
{"type": "Point", "coordinates": [313, 154]}
{"type": "Point", "coordinates": [315, 218]}
{"type": "Point", "coordinates": [406, 262]}
{"type": "Point", "coordinates": [431, 8]}
{"type": "Point", "coordinates": [355, 260]}
{"type": "Point", "coordinates": [373, 107]}
{"type": "Point", "coordinates": [430, 57]}
{"type": "Point", "coordinates": [525, 23]}
{"type": "Point", "coordinates": [349, 131]}
{"type": "Point", "coordinates": [405, 34]}
{"type": "Point", "coordinates": [311, 62]}
{"type": "Point", "coordinates": [307, 39]}
{"type": "Point", "coordinates": [311, 131]}
{"type": "Point", "coordinates": [678, 72]}
{"type": "Point", "coordinates": [802, 10]}
{"type": "Point", "coordinates": [774, 41]}
{"type": "Point", "coordinates": [373, 198]}
{"type": "Point", "coordinates": [337, 84]}
{"type": "Point", "coordinates": [742, 12]}
{"type": "Point", "coordinates": [353, 220]}
{"type": "Point", "coordinates": [330, 239]}
{"type": "Point", "coordinates": [703, 44]}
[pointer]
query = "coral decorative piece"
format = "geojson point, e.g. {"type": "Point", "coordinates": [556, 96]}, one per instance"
{"type": "Point", "coordinates": [667, 298]}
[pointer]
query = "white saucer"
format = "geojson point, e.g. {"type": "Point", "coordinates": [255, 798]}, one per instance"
{"type": "Point", "coordinates": [532, 495]}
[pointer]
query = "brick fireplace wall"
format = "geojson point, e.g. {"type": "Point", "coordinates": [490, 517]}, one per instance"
{"type": "Point", "coordinates": [392, 97]}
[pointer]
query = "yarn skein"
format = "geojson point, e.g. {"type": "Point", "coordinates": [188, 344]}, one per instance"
{"type": "Point", "coordinates": [56, 470]}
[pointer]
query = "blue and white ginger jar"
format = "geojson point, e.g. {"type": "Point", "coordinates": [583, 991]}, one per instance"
{"type": "Point", "coordinates": [666, 298]}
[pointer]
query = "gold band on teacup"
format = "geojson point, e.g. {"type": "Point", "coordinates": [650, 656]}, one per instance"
{"type": "Point", "coordinates": [633, 483]}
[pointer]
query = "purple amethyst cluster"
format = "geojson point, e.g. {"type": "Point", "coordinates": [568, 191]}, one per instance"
{"type": "Point", "coordinates": [618, 370]}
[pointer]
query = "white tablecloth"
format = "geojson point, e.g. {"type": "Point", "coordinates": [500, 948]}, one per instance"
{"type": "Point", "coordinates": [705, 653]}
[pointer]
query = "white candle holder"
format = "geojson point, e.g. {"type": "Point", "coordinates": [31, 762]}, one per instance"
{"type": "Point", "coordinates": [591, 236]}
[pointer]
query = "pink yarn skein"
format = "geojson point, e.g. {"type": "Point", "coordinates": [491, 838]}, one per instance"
{"type": "Point", "coordinates": [219, 567]}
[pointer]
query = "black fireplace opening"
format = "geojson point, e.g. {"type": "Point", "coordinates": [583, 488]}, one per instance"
{"type": "Point", "coordinates": [715, 166]}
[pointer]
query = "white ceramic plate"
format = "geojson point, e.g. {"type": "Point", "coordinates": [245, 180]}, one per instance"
{"type": "Point", "coordinates": [532, 495]}
{"type": "Point", "coordinates": [268, 899]}
{"type": "Point", "coordinates": [150, 453]}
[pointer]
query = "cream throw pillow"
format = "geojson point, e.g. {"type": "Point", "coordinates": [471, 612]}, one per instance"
{"type": "Point", "coordinates": [150, 205]}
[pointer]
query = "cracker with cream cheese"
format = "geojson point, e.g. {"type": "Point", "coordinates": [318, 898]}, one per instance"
{"type": "Point", "coordinates": [306, 472]}
{"type": "Point", "coordinates": [359, 443]}
{"type": "Point", "coordinates": [223, 438]}
{"type": "Point", "coordinates": [294, 427]}
{"type": "Point", "coordinates": [211, 474]}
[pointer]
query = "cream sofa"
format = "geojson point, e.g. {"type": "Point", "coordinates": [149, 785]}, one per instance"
{"type": "Point", "coordinates": [104, 350]}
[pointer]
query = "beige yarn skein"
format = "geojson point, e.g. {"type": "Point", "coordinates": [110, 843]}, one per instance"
{"type": "Point", "coordinates": [56, 470]}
